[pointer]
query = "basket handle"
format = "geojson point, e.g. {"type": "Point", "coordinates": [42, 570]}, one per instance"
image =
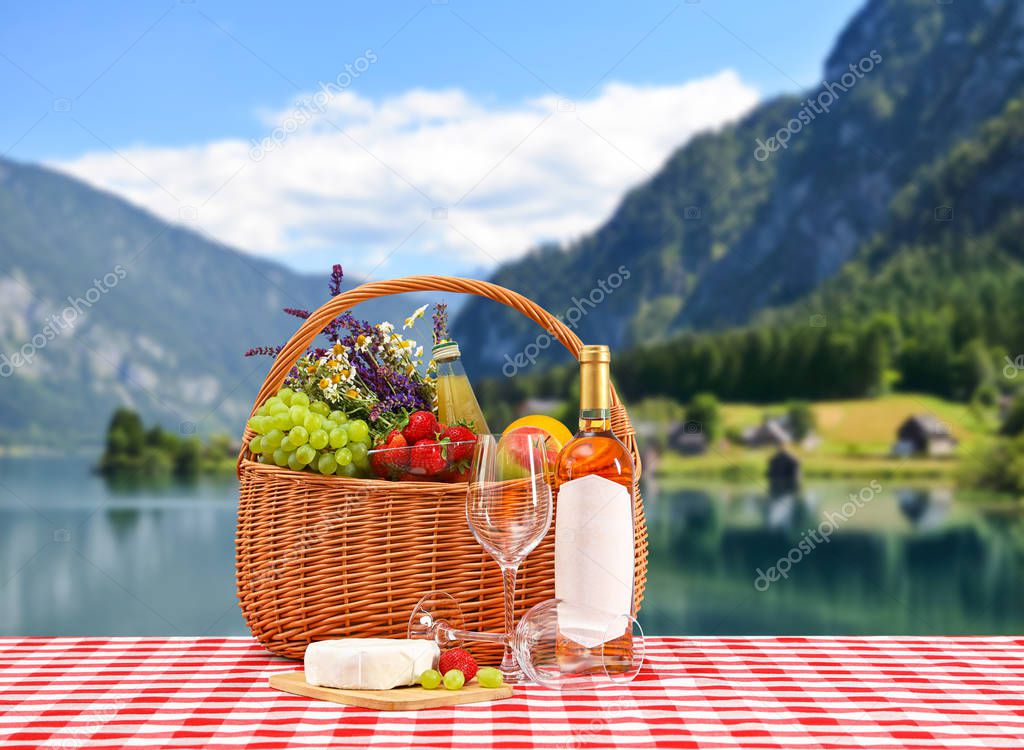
{"type": "Point", "coordinates": [316, 322]}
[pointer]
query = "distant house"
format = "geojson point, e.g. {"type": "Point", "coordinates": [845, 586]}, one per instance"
{"type": "Point", "coordinates": [783, 471]}
{"type": "Point", "coordinates": [771, 432]}
{"type": "Point", "coordinates": [924, 435]}
{"type": "Point", "coordinates": [689, 442]}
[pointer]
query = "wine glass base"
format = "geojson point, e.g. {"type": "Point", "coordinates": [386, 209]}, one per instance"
{"type": "Point", "coordinates": [515, 677]}
{"type": "Point", "coordinates": [512, 673]}
{"type": "Point", "coordinates": [434, 618]}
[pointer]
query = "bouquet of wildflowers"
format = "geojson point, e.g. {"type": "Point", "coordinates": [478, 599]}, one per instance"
{"type": "Point", "coordinates": [370, 372]}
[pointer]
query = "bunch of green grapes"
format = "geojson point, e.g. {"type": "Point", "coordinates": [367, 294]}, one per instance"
{"type": "Point", "coordinates": [294, 432]}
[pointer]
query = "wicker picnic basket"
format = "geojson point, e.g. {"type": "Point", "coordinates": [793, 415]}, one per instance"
{"type": "Point", "coordinates": [329, 557]}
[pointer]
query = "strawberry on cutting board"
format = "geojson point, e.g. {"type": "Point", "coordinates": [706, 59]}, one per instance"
{"type": "Point", "coordinates": [458, 658]}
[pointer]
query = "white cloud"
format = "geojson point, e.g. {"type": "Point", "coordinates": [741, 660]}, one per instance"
{"type": "Point", "coordinates": [355, 179]}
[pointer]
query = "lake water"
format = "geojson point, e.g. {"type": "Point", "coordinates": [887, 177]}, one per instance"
{"type": "Point", "coordinates": [82, 558]}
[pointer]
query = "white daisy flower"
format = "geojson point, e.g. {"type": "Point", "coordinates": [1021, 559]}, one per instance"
{"type": "Point", "coordinates": [416, 315]}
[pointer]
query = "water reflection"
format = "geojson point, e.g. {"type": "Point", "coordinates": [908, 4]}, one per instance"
{"type": "Point", "coordinates": [905, 560]}
{"type": "Point", "coordinates": [78, 557]}
{"type": "Point", "coordinates": [925, 509]}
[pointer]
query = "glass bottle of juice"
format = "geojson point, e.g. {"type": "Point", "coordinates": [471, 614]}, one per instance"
{"type": "Point", "coordinates": [456, 401]}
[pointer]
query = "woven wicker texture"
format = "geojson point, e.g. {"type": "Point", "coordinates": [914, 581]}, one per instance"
{"type": "Point", "coordinates": [330, 557]}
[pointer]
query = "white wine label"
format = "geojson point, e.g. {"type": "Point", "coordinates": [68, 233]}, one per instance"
{"type": "Point", "coordinates": [593, 557]}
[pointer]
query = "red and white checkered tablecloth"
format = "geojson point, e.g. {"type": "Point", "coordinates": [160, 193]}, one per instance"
{"type": "Point", "coordinates": [702, 692]}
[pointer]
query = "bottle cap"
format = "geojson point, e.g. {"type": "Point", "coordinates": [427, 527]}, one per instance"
{"type": "Point", "coordinates": [595, 353]}
{"type": "Point", "coordinates": [445, 350]}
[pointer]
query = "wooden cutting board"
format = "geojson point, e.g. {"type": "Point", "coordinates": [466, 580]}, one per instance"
{"type": "Point", "coordinates": [397, 699]}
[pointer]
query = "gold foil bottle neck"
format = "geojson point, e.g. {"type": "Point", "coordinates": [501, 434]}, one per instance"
{"type": "Point", "coordinates": [595, 385]}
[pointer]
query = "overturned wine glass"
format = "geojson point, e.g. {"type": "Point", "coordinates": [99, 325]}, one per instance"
{"type": "Point", "coordinates": [558, 645]}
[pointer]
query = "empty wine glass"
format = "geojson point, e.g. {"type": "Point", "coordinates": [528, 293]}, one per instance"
{"type": "Point", "coordinates": [543, 641]}
{"type": "Point", "coordinates": [508, 507]}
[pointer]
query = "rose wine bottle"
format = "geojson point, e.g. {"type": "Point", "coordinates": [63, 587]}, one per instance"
{"type": "Point", "coordinates": [594, 561]}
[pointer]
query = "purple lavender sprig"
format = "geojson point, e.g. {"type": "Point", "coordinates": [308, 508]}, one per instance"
{"type": "Point", "coordinates": [335, 283]}
{"type": "Point", "coordinates": [440, 323]}
{"type": "Point", "coordinates": [264, 351]}
{"type": "Point", "coordinates": [345, 321]}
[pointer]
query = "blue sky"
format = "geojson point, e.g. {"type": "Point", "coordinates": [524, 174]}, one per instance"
{"type": "Point", "coordinates": [160, 101]}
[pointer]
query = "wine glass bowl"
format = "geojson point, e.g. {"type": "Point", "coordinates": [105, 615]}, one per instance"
{"type": "Point", "coordinates": [508, 504]}
{"type": "Point", "coordinates": [508, 525]}
{"type": "Point", "coordinates": [571, 647]}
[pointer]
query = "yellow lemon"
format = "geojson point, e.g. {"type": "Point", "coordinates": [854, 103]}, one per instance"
{"type": "Point", "coordinates": [557, 432]}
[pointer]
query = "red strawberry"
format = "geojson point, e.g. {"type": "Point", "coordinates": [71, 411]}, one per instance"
{"type": "Point", "coordinates": [420, 426]}
{"type": "Point", "coordinates": [458, 658]}
{"type": "Point", "coordinates": [386, 462]}
{"type": "Point", "coordinates": [378, 463]}
{"type": "Point", "coordinates": [426, 456]}
{"type": "Point", "coordinates": [459, 433]}
{"type": "Point", "coordinates": [398, 453]}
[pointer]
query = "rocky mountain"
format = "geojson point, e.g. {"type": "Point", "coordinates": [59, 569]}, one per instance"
{"type": "Point", "coordinates": [931, 304]}
{"type": "Point", "coordinates": [103, 304]}
{"type": "Point", "coordinates": [760, 213]}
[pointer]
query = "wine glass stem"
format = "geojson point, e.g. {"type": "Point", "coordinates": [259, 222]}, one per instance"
{"type": "Point", "coordinates": [454, 634]}
{"type": "Point", "coordinates": [508, 580]}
